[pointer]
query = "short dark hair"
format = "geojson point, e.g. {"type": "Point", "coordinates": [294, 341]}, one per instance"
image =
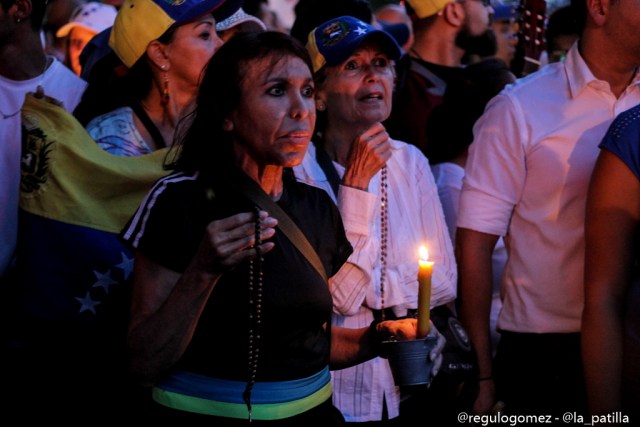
{"type": "Point", "coordinates": [252, 7]}
{"type": "Point", "coordinates": [579, 11]}
{"type": "Point", "coordinates": [562, 21]}
{"type": "Point", "coordinates": [202, 144]}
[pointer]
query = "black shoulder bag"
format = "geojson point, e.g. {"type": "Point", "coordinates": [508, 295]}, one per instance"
{"type": "Point", "coordinates": [459, 362]}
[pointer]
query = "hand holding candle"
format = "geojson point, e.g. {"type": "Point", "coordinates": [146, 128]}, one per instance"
{"type": "Point", "coordinates": [424, 292]}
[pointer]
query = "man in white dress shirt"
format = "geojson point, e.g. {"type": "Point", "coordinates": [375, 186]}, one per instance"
{"type": "Point", "coordinates": [526, 178]}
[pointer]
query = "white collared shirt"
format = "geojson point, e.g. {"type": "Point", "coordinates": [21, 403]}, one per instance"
{"type": "Point", "coordinates": [526, 178]}
{"type": "Point", "coordinates": [415, 218]}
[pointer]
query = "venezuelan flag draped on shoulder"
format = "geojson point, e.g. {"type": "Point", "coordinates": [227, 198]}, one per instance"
{"type": "Point", "coordinates": [75, 198]}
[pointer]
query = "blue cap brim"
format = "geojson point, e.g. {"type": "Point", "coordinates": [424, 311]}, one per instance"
{"type": "Point", "coordinates": [336, 40]}
{"type": "Point", "coordinates": [202, 8]}
{"type": "Point", "coordinates": [386, 42]}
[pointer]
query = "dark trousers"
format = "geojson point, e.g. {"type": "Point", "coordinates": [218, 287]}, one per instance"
{"type": "Point", "coordinates": [438, 405]}
{"type": "Point", "coordinates": [540, 374]}
{"type": "Point", "coordinates": [395, 422]}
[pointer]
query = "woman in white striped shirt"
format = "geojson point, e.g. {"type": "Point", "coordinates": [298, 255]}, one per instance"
{"type": "Point", "coordinates": [386, 195]}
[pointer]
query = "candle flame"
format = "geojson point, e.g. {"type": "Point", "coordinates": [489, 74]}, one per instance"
{"type": "Point", "coordinates": [424, 254]}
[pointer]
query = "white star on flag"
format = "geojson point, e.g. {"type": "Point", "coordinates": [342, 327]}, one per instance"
{"type": "Point", "coordinates": [87, 304]}
{"type": "Point", "coordinates": [126, 265]}
{"type": "Point", "coordinates": [104, 281]}
{"type": "Point", "coordinates": [361, 31]}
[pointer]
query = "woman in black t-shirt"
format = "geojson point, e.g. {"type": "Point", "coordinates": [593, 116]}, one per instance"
{"type": "Point", "coordinates": [229, 317]}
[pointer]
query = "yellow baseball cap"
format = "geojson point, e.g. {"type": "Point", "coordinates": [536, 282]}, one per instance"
{"type": "Point", "coordinates": [426, 8]}
{"type": "Point", "coordinates": [139, 22]}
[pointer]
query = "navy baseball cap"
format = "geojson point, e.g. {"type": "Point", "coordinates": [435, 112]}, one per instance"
{"type": "Point", "coordinates": [334, 41]}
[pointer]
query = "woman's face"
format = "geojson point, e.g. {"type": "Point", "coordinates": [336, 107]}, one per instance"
{"type": "Point", "coordinates": [190, 50]}
{"type": "Point", "coordinates": [78, 39]}
{"type": "Point", "coordinates": [274, 120]}
{"type": "Point", "coordinates": [359, 90]}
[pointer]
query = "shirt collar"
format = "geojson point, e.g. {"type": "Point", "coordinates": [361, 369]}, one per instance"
{"type": "Point", "coordinates": [580, 76]}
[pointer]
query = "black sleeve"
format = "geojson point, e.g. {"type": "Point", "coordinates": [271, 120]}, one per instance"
{"type": "Point", "coordinates": [170, 223]}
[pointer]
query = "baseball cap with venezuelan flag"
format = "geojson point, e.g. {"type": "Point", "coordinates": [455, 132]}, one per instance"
{"type": "Point", "coordinates": [139, 22]}
{"type": "Point", "coordinates": [334, 41]}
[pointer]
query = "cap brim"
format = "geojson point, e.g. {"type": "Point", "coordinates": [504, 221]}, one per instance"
{"type": "Point", "coordinates": [202, 8]}
{"type": "Point", "coordinates": [238, 18]}
{"type": "Point", "coordinates": [386, 42]}
{"type": "Point", "coordinates": [66, 29]}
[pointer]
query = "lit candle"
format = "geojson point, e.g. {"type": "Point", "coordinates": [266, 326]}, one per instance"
{"type": "Point", "coordinates": [424, 292]}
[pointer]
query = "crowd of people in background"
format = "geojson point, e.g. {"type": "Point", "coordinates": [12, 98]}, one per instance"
{"type": "Point", "coordinates": [211, 213]}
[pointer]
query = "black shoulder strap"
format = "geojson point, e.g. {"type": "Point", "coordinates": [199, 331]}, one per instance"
{"type": "Point", "coordinates": [328, 168]}
{"type": "Point", "coordinates": [148, 124]}
{"type": "Point", "coordinates": [257, 195]}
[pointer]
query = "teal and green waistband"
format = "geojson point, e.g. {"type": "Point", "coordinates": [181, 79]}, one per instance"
{"type": "Point", "coordinates": [269, 400]}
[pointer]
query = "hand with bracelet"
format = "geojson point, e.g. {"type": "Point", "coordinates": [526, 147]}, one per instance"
{"type": "Point", "coordinates": [486, 395]}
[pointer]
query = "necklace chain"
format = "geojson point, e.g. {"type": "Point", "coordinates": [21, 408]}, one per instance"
{"type": "Point", "coordinates": [8, 116]}
{"type": "Point", "coordinates": [384, 219]}
{"type": "Point", "coordinates": [256, 285]}
{"type": "Point", "coordinates": [416, 54]}
{"type": "Point", "coordinates": [5, 116]}
{"type": "Point", "coordinates": [255, 312]}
